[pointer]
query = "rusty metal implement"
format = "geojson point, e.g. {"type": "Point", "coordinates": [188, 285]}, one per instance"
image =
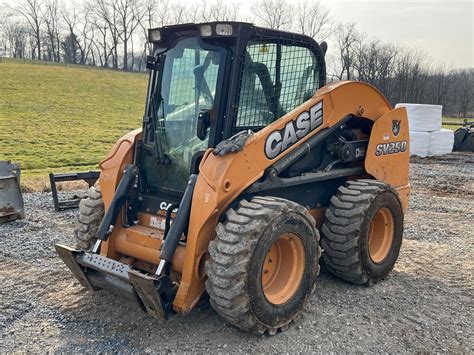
{"type": "Point", "coordinates": [11, 200]}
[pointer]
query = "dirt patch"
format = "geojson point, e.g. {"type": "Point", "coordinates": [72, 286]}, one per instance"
{"type": "Point", "coordinates": [425, 305]}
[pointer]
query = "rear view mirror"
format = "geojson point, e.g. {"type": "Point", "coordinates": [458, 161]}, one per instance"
{"type": "Point", "coordinates": [204, 120]}
{"type": "Point", "coordinates": [151, 62]}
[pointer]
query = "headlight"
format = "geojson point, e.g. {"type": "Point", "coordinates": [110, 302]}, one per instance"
{"type": "Point", "coordinates": [224, 29]}
{"type": "Point", "coordinates": [205, 30]}
{"type": "Point", "coordinates": [154, 36]}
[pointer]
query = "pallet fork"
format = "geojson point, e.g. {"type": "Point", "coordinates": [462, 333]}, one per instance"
{"type": "Point", "coordinates": [90, 177]}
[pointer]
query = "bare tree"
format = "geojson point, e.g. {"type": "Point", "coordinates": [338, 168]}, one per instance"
{"type": "Point", "coordinates": [375, 64]}
{"type": "Point", "coordinates": [100, 40]}
{"type": "Point", "coordinates": [129, 13]}
{"type": "Point", "coordinates": [178, 13]}
{"type": "Point", "coordinates": [16, 37]}
{"type": "Point", "coordinates": [217, 10]}
{"type": "Point", "coordinates": [149, 21]}
{"type": "Point", "coordinates": [80, 30]}
{"type": "Point", "coordinates": [107, 22]}
{"type": "Point", "coordinates": [276, 14]}
{"type": "Point", "coordinates": [30, 10]}
{"type": "Point", "coordinates": [162, 13]}
{"type": "Point", "coordinates": [314, 19]}
{"type": "Point", "coordinates": [50, 15]}
{"type": "Point", "coordinates": [440, 85]}
{"type": "Point", "coordinates": [411, 76]}
{"type": "Point", "coordinates": [155, 15]}
{"type": "Point", "coordinates": [347, 37]}
{"type": "Point", "coordinates": [465, 90]}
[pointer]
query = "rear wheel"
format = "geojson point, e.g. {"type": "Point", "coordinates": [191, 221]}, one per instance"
{"type": "Point", "coordinates": [91, 212]}
{"type": "Point", "coordinates": [263, 264]}
{"type": "Point", "coordinates": [362, 233]}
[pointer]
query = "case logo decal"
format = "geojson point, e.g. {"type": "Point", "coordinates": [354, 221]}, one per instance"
{"type": "Point", "coordinates": [396, 127]}
{"type": "Point", "coordinates": [280, 140]}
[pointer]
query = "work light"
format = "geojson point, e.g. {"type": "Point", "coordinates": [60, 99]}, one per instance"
{"type": "Point", "coordinates": [224, 29]}
{"type": "Point", "coordinates": [205, 30]}
{"type": "Point", "coordinates": [154, 35]}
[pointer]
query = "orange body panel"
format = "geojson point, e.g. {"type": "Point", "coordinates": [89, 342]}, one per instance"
{"type": "Point", "coordinates": [222, 179]}
{"type": "Point", "coordinates": [111, 171]}
{"type": "Point", "coordinates": [111, 168]}
{"type": "Point", "coordinates": [392, 167]}
{"type": "Point", "coordinates": [318, 215]}
{"type": "Point", "coordinates": [143, 243]}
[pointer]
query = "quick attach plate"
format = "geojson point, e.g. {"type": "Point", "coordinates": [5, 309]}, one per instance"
{"type": "Point", "coordinates": [95, 272]}
{"type": "Point", "coordinates": [147, 289]}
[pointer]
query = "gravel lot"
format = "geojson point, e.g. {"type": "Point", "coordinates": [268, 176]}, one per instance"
{"type": "Point", "coordinates": [425, 305]}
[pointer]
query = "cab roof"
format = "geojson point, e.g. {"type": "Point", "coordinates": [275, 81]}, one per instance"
{"type": "Point", "coordinates": [242, 30]}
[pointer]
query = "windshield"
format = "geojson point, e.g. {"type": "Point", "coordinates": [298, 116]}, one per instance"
{"type": "Point", "coordinates": [188, 77]}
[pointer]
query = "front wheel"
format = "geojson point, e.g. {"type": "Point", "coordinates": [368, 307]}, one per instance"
{"type": "Point", "coordinates": [91, 212]}
{"type": "Point", "coordinates": [263, 264]}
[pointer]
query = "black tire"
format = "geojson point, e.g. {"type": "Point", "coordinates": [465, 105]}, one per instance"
{"type": "Point", "coordinates": [345, 231]}
{"type": "Point", "coordinates": [237, 254]}
{"type": "Point", "coordinates": [91, 212]}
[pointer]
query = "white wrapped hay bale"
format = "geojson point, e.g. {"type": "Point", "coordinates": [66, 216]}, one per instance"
{"type": "Point", "coordinates": [423, 118]}
{"type": "Point", "coordinates": [419, 143]}
{"type": "Point", "coordinates": [441, 142]}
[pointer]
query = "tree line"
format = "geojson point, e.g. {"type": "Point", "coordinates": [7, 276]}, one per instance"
{"type": "Point", "coordinates": [403, 74]}
{"type": "Point", "coordinates": [113, 33]}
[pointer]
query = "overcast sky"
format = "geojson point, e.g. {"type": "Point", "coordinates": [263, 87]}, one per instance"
{"type": "Point", "coordinates": [443, 29]}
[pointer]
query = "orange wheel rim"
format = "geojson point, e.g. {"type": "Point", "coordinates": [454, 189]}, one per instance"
{"type": "Point", "coordinates": [283, 269]}
{"type": "Point", "coordinates": [381, 235]}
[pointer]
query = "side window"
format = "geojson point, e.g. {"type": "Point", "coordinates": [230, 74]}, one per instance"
{"type": "Point", "coordinates": [275, 79]}
{"type": "Point", "coordinates": [298, 76]}
{"type": "Point", "coordinates": [181, 77]}
{"type": "Point", "coordinates": [256, 95]}
{"type": "Point", "coordinates": [192, 81]}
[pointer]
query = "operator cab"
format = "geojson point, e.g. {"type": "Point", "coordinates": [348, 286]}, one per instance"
{"type": "Point", "coordinates": [210, 81]}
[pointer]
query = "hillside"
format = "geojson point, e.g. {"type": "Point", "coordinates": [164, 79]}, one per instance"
{"type": "Point", "coordinates": [58, 118]}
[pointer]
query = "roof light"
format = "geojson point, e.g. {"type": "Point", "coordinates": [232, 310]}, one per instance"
{"type": "Point", "coordinates": [224, 29]}
{"type": "Point", "coordinates": [154, 36]}
{"type": "Point", "coordinates": [205, 30]}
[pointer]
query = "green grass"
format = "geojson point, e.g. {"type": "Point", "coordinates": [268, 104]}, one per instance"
{"type": "Point", "coordinates": [459, 122]}
{"type": "Point", "coordinates": [65, 118]}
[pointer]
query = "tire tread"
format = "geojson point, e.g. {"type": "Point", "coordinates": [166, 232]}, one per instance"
{"type": "Point", "coordinates": [230, 254]}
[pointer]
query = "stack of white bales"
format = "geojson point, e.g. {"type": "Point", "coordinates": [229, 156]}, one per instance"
{"type": "Point", "coordinates": [441, 142]}
{"type": "Point", "coordinates": [426, 135]}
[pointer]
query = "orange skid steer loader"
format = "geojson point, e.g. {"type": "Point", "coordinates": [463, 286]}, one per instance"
{"type": "Point", "coordinates": [247, 168]}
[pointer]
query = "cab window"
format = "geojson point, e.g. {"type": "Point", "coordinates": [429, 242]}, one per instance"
{"type": "Point", "coordinates": [275, 79]}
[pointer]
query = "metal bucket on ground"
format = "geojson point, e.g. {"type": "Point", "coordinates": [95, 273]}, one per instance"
{"type": "Point", "coordinates": [11, 200]}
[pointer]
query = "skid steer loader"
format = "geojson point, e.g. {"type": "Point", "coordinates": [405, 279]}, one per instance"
{"type": "Point", "coordinates": [246, 169]}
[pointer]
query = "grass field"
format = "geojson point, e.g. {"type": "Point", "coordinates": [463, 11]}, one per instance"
{"type": "Point", "coordinates": [58, 118]}
{"type": "Point", "coordinates": [454, 122]}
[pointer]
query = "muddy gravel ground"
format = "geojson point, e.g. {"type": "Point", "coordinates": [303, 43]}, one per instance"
{"type": "Point", "coordinates": [426, 304]}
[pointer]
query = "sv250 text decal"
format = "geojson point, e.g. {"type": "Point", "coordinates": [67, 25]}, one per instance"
{"type": "Point", "coordinates": [390, 148]}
